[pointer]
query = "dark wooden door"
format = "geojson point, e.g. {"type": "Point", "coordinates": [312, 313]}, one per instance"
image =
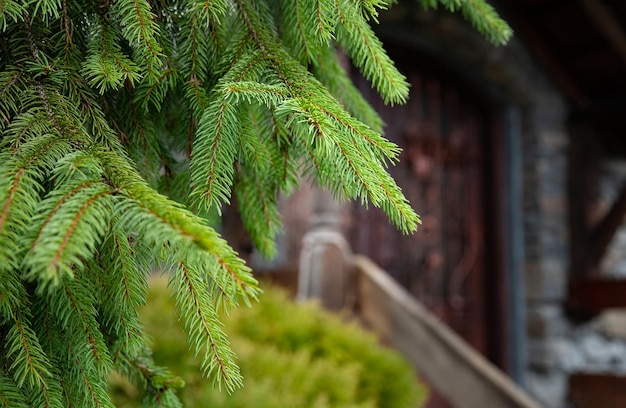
{"type": "Point", "coordinates": [448, 170]}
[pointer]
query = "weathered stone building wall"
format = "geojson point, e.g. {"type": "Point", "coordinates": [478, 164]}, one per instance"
{"type": "Point", "coordinates": [546, 250]}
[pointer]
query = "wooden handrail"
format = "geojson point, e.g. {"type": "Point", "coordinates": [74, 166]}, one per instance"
{"type": "Point", "coordinates": [454, 368]}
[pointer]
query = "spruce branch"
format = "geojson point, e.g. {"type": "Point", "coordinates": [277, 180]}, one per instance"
{"type": "Point", "coordinates": [325, 20]}
{"type": "Point", "coordinates": [299, 32]}
{"type": "Point", "coordinates": [258, 204]}
{"type": "Point", "coordinates": [121, 281]}
{"type": "Point", "coordinates": [258, 146]}
{"type": "Point", "coordinates": [157, 381]}
{"type": "Point", "coordinates": [140, 29]}
{"type": "Point", "coordinates": [210, 11]}
{"type": "Point", "coordinates": [358, 40]}
{"type": "Point", "coordinates": [50, 395]}
{"type": "Point", "coordinates": [47, 8]}
{"type": "Point", "coordinates": [481, 15]}
{"type": "Point", "coordinates": [107, 106]}
{"type": "Point", "coordinates": [28, 125]}
{"type": "Point", "coordinates": [17, 194]}
{"type": "Point", "coordinates": [82, 385]}
{"type": "Point", "coordinates": [10, 394]}
{"type": "Point", "coordinates": [95, 120]}
{"type": "Point", "coordinates": [74, 300]}
{"type": "Point", "coordinates": [213, 155]}
{"type": "Point", "coordinates": [254, 92]}
{"type": "Point", "coordinates": [82, 214]}
{"type": "Point", "coordinates": [260, 178]}
{"type": "Point", "coordinates": [11, 12]}
{"type": "Point", "coordinates": [203, 327]}
{"type": "Point", "coordinates": [11, 88]}
{"type": "Point", "coordinates": [166, 224]}
{"type": "Point", "coordinates": [106, 67]}
{"type": "Point", "coordinates": [29, 364]}
{"type": "Point", "coordinates": [327, 69]}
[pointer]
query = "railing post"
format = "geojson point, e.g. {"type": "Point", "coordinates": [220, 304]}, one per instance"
{"type": "Point", "coordinates": [325, 260]}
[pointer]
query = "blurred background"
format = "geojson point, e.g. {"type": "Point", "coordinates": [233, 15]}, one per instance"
{"type": "Point", "coordinates": [515, 158]}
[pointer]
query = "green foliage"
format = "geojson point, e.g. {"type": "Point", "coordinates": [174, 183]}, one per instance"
{"type": "Point", "coordinates": [482, 16]}
{"type": "Point", "coordinates": [291, 355]}
{"type": "Point", "coordinates": [104, 102]}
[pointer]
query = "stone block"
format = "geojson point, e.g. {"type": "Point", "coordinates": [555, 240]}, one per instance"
{"type": "Point", "coordinates": [555, 139]}
{"type": "Point", "coordinates": [546, 280]}
{"type": "Point", "coordinates": [545, 320]}
{"type": "Point", "coordinates": [600, 353]}
{"type": "Point", "coordinates": [562, 354]}
{"type": "Point", "coordinates": [612, 324]}
{"type": "Point", "coordinates": [569, 357]}
{"type": "Point", "coordinates": [541, 356]}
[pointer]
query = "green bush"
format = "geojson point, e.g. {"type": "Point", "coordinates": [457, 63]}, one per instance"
{"type": "Point", "coordinates": [291, 355]}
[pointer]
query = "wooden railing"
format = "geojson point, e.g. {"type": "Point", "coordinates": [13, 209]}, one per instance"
{"type": "Point", "coordinates": [331, 273]}
{"type": "Point", "coordinates": [457, 371]}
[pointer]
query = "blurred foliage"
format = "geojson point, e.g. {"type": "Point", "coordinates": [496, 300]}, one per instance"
{"type": "Point", "coordinates": [291, 355]}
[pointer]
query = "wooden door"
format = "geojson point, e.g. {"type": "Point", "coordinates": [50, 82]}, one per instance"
{"type": "Point", "coordinates": [448, 170]}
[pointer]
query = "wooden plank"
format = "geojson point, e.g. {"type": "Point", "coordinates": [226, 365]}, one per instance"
{"type": "Point", "coordinates": [458, 372]}
{"type": "Point", "coordinates": [583, 175]}
{"type": "Point", "coordinates": [593, 390]}
{"type": "Point", "coordinates": [606, 229]}
{"type": "Point", "coordinates": [594, 295]}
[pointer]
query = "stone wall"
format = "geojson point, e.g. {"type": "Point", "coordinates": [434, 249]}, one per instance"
{"type": "Point", "coordinates": [546, 250]}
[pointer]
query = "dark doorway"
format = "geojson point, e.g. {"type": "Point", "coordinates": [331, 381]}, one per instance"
{"type": "Point", "coordinates": [451, 171]}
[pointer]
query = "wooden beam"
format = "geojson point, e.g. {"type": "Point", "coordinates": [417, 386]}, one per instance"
{"type": "Point", "coordinates": [593, 390]}
{"type": "Point", "coordinates": [593, 295]}
{"type": "Point", "coordinates": [606, 23]}
{"type": "Point", "coordinates": [462, 375]}
{"type": "Point", "coordinates": [583, 175]}
{"type": "Point", "coordinates": [605, 230]}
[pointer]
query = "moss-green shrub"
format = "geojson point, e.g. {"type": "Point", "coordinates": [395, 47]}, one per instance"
{"type": "Point", "coordinates": [291, 355]}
